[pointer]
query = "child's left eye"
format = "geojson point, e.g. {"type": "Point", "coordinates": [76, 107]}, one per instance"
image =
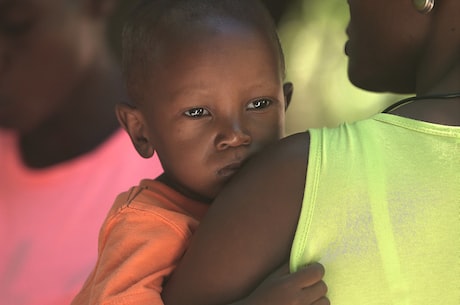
{"type": "Point", "coordinates": [196, 112]}
{"type": "Point", "coordinates": [259, 104]}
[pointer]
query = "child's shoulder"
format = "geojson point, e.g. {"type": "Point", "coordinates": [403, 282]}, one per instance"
{"type": "Point", "coordinates": [154, 199]}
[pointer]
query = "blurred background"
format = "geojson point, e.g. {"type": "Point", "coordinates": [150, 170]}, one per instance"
{"type": "Point", "coordinates": [312, 33]}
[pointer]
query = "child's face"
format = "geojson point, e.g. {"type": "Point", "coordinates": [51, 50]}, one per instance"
{"type": "Point", "coordinates": [44, 49]}
{"type": "Point", "coordinates": [211, 104]}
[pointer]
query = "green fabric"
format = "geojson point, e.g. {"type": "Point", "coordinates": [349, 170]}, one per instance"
{"type": "Point", "coordinates": [381, 212]}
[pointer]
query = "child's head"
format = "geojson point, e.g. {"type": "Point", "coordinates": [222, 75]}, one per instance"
{"type": "Point", "coordinates": [46, 49]}
{"type": "Point", "coordinates": [205, 78]}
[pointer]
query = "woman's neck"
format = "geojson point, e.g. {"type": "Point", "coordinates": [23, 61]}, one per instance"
{"type": "Point", "coordinates": [441, 110]}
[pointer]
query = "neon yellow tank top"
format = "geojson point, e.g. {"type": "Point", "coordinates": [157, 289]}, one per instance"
{"type": "Point", "coordinates": [381, 212]}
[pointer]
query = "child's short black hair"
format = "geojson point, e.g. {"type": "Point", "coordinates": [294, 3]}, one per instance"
{"type": "Point", "coordinates": [143, 29]}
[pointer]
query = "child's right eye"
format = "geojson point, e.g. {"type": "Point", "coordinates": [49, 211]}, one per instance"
{"type": "Point", "coordinates": [196, 112]}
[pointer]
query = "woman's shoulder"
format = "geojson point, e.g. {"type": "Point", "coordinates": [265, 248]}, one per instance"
{"type": "Point", "coordinates": [290, 151]}
{"type": "Point", "coordinates": [282, 163]}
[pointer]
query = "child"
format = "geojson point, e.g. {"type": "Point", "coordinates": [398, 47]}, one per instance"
{"type": "Point", "coordinates": [63, 155]}
{"type": "Point", "coordinates": [205, 79]}
{"type": "Point", "coordinates": [376, 201]}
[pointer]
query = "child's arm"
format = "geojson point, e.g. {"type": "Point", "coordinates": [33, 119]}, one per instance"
{"type": "Point", "coordinates": [248, 230]}
{"type": "Point", "coordinates": [138, 248]}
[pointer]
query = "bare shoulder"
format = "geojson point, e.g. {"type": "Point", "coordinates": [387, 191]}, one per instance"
{"type": "Point", "coordinates": [289, 151]}
{"type": "Point", "coordinates": [275, 175]}
{"type": "Point", "coordinates": [250, 224]}
{"type": "Point", "coordinates": [272, 180]}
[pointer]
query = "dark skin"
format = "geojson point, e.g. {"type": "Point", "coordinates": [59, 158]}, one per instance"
{"type": "Point", "coordinates": [215, 120]}
{"type": "Point", "coordinates": [288, 162]}
{"type": "Point", "coordinates": [205, 124]}
{"type": "Point", "coordinates": [251, 225]}
{"type": "Point", "coordinates": [53, 90]}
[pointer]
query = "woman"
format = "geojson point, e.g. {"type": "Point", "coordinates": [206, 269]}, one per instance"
{"type": "Point", "coordinates": [376, 202]}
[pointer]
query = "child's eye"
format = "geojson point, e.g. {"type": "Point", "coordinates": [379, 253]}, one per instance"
{"type": "Point", "coordinates": [196, 112]}
{"type": "Point", "coordinates": [259, 104]}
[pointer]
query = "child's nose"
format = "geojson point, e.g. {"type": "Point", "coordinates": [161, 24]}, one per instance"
{"type": "Point", "coordinates": [232, 134]}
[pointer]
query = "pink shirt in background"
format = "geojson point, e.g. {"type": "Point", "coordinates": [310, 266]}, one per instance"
{"type": "Point", "coordinates": [50, 219]}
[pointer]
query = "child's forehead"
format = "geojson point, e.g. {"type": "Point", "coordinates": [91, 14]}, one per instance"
{"type": "Point", "coordinates": [212, 34]}
{"type": "Point", "coordinates": [199, 63]}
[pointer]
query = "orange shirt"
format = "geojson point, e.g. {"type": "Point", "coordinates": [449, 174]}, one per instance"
{"type": "Point", "coordinates": [143, 237]}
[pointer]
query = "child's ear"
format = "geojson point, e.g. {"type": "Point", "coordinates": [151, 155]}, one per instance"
{"type": "Point", "coordinates": [132, 121]}
{"type": "Point", "coordinates": [288, 89]}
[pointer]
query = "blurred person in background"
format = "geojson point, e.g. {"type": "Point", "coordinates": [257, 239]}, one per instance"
{"type": "Point", "coordinates": [63, 155]}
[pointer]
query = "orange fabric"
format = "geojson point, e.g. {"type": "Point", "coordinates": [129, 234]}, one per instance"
{"type": "Point", "coordinates": [143, 237]}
